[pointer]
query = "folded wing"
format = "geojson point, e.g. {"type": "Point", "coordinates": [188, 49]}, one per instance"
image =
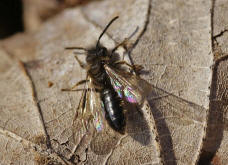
{"type": "Point", "coordinates": [129, 87]}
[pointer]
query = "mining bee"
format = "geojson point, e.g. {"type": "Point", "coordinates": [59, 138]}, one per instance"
{"type": "Point", "coordinates": [108, 86]}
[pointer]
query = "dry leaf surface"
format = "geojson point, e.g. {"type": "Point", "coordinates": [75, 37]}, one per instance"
{"type": "Point", "coordinates": [220, 24]}
{"type": "Point", "coordinates": [172, 42]}
{"type": "Point", "coordinates": [216, 141]}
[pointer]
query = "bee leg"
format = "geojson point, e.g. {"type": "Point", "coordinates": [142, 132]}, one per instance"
{"type": "Point", "coordinates": [123, 43]}
{"type": "Point", "coordinates": [82, 64]}
{"type": "Point", "coordinates": [77, 84]}
{"type": "Point", "coordinates": [76, 90]}
{"type": "Point", "coordinates": [136, 68]}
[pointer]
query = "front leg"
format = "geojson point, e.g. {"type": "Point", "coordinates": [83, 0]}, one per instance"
{"type": "Point", "coordinates": [73, 87]}
{"type": "Point", "coordinates": [136, 68]}
{"type": "Point", "coordinates": [125, 43]}
{"type": "Point", "coordinates": [82, 64]}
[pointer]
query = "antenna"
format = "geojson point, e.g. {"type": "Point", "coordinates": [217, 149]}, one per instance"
{"type": "Point", "coordinates": [105, 29]}
{"type": "Point", "coordinates": [80, 48]}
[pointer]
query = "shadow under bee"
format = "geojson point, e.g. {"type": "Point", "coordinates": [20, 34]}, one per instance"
{"type": "Point", "coordinates": [166, 107]}
{"type": "Point", "coordinates": [136, 127]}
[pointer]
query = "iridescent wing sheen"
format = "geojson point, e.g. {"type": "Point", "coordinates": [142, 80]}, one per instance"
{"type": "Point", "coordinates": [128, 86]}
{"type": "Point", "coordinates": [90, 111]}
{"type": "Point", "coordinates": [82, 117]}
{"type": "Point", "coordinates": [95, 105]}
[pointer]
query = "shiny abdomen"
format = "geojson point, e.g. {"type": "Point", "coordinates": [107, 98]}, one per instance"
{"type": "Point", "coordinates": [113, 109]}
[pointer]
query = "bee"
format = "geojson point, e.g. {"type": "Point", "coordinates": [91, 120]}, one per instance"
{"type": "Point", "coordinates": [108, 86]}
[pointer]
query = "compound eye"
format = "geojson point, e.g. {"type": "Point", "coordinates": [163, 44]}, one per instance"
{"type": "Point", "coordinates": [102, 52]}
{"type": "Point", "coordinates": [90, 58]}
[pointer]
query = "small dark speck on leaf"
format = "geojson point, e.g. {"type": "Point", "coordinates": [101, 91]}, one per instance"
{"type": "Point", "coordinates": [50, 84]}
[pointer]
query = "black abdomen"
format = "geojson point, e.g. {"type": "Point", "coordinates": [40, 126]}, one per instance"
{"type": "Point", "coordinates": [113, 108]}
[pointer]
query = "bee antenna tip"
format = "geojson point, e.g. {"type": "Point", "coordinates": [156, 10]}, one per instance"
{"type": "Point", "coordinates": [105, 29]}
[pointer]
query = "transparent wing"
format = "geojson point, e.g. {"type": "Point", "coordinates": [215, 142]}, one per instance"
{"type": "Point", "coordinates": [135, 90]}
{"type": "Point", "coordinates": [89, 120]}
{"type": "Point", "coordinates": [82, 116]}
{"type": "Point", "coordinates": [95, 105]}
{"type": "Point", "coordinates": [90, 111]}
{"type": "Point", "coordinates": [128, 86]}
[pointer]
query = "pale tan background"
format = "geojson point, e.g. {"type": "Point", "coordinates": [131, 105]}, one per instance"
{"type": "Point", "coordinates": [182, 44]}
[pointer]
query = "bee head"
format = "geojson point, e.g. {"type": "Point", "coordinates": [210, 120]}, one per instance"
{"type": "Point", "coordinates": [101, 52]}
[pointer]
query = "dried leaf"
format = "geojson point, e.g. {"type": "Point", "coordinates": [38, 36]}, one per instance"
{"type": "Point", "coordinates": [172, 42]}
